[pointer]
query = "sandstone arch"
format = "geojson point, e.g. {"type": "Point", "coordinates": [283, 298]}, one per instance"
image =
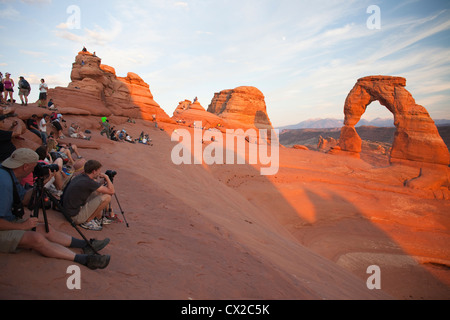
{"type": "Point", "coordinates": [417, 140]}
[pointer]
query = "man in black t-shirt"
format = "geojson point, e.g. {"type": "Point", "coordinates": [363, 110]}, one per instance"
{"type": "Point", "coordinates": [84, 198]}
{"type": "Point", "coordinates": [32, 125]}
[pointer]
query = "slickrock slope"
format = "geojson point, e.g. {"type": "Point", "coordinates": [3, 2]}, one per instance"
{"type": "Point", "coordinates": [191, 237]}
{"type": "Point", "coordinates": [225, 231]}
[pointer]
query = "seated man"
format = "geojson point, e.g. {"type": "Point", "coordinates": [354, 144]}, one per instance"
{"type": "Point", "coordinates": [84, 198]}
{"type": "Point", "coordinates": [56, 122]}
{"type": "Point", "coordinates": [32, 125]}
{"type": "Point", "coordinates": [15, 232]}
{"type": "Point", "coordinates": [74, 132]}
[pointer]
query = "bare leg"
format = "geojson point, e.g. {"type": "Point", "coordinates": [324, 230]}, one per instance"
{"type": "Point", "coordinates": [38, 242]}
{"type": "Point", "coordinates": [106, 199]}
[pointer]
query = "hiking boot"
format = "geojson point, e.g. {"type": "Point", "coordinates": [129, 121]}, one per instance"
{"type": "Point", "coordinates": [96, 244]}
{"type": "Point", "coordinates": [91, 225]}
{"type": "Point", "coordinates": [97, 261]}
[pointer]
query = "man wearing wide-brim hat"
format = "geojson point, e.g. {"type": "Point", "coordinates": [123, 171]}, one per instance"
{"type": "Point", "coordinates": [15, 232]}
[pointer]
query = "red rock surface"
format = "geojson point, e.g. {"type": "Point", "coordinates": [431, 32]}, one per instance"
{"type": "Point", "coordinates": [416, 139]}
{"type": "Point", "coordinates": [96, 90]}
{"type": "Point", "coordinates": [242, 105]}
{"type": "Point", "coordinates": [188, 113]}
{"type": "Point", "coordinates": [226, 232]}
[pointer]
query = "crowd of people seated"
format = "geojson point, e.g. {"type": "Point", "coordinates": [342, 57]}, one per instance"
{"type": "Point", "coordinates": [122, 135]}
{"type": "Point", "coordinates": [80, 183]}
{"type": "Point", "coordinates": [82, 190]}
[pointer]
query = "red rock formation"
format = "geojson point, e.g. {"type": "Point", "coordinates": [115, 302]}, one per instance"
{"type": "Point", "coordinates": [96, 90]}
{"type": "Point", "coordinates": [416, 139]}
{"type": "Point", "coordinates": [243, 106]}
{"type": "Point", "coordinates": [187, 113]}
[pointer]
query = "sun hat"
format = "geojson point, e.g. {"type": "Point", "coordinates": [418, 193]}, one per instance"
{"type": "Point", "coordinates": [20, 157]}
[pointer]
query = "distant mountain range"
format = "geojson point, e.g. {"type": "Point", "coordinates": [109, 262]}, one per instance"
{"type": "Point", "coordinates": [336, 123]}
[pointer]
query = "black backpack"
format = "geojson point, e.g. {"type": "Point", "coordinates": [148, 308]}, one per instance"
{"type": "Point", "coordinates": [25, 85]}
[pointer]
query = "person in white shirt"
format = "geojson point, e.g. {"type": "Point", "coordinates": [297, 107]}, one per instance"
{"type": "Point", "coordinates": [43, 88]}
{"type": "Point", "coordinates": [43, 127]}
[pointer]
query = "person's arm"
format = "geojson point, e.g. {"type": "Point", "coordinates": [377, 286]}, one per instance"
{"type": "Point", "coordinates": [109, 188]}
{"type": "Point", "coordinates": [26, 225]}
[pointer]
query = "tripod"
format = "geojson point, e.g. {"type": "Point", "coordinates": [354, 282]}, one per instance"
{"type": "Point", "coordinates": [111, 174]}
{"type": "Point", "coordinates": [109, 210]}
{"type": "Point", "coordinates": [39, 197]}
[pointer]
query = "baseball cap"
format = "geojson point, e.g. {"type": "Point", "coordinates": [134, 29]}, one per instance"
{"type": "Point", "coordinates": [20, 157]}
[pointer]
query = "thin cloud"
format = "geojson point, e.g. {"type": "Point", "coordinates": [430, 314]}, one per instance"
{"type": "Point", "coordinates": [36, 1]}
{"type": "Point", "coordinates": [33, 53]}
{"type": "Point", "coordinates": [97, 36]}
{"type": "Point", "coordinates": [9, 13]}
{"type": "Point", "coordinates": [181, 4]}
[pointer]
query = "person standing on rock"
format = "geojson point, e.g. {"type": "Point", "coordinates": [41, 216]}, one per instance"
{"type": "Point", "coordinates": [2, 88]}
{"type": "Point", "coordinates": [43, 88]}
{"type": "Point", "coordinates": [8, 85]}
{"type": "Point", "coordinates": [24, 90]}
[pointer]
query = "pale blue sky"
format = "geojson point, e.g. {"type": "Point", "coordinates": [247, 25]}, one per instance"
{"type": "Point", "coordinates": [305, 56]}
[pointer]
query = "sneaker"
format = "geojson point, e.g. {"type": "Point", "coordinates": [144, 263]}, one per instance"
{"type": "Point", "coordinates": [91, 225]}
{"type": "Point", "coordinates": [104, 221]}
{"type": "Point", "coordinates": [97, 261]}
{"type": "Point", "coordinates": [96, 244]}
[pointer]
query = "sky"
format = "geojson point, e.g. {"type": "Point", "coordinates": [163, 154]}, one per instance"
{"type": "Point", "coordinates": [304, 56]}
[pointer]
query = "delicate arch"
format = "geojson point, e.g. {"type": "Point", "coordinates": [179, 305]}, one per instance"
{"type": "Point", "coordinates": [416, 137]}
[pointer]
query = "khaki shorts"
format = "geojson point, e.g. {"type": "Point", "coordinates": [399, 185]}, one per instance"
{"type": "Point", "coordinates": [9, 240]}
{"type": "Point", "coordinates": [24, 92]}
{"type": "Point", "coordinates": [88, 209]}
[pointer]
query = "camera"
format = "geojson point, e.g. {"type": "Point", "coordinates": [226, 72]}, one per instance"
{"type": "Point", "coordinates": [42, 170]}
{"type": "Point", "coordinates": [18, 210]}
{"type": "Point", "coordinates": [111, 174]}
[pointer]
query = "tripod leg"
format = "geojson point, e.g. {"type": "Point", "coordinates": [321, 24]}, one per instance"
{"type": "Point", "coordinates": [39, 202]}
{"type": "Point", "coordinates": [121, 211]}
{"type": "Point", "coordinates": [78, 230]}
{"type": "Point", "coordinates": [52, 198]}
{"type": "Point", "coordinates": [45, 214]}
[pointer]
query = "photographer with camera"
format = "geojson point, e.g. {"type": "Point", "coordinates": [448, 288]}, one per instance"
{"type": "Point", "coordinates": [84, 198]}
{"type": "Point", "coordinates": [15, 232]}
